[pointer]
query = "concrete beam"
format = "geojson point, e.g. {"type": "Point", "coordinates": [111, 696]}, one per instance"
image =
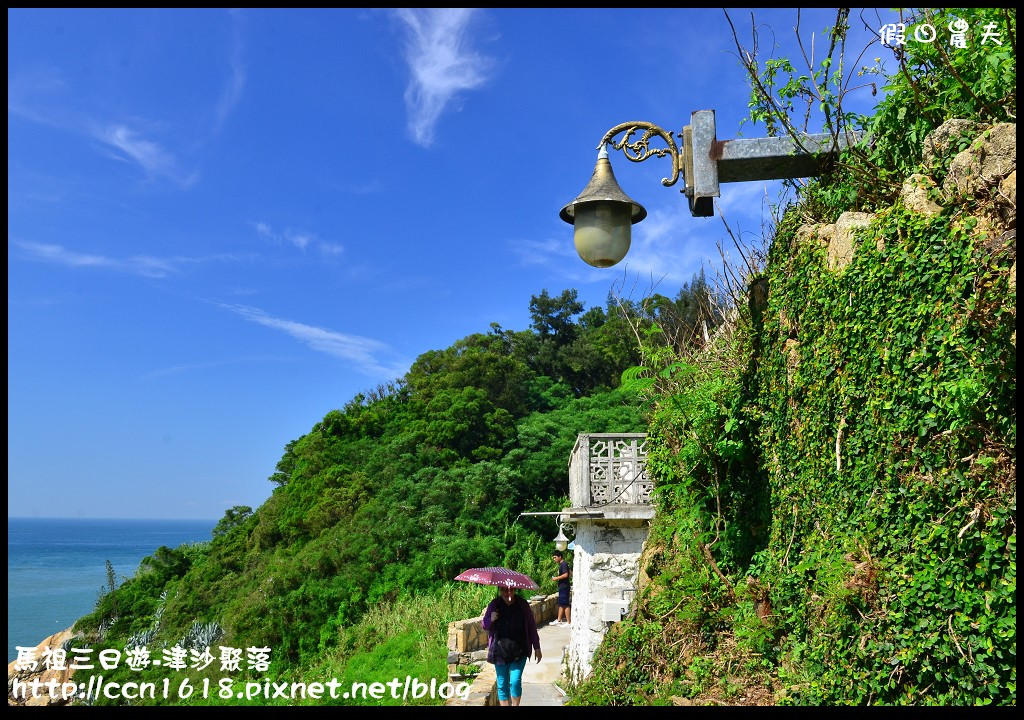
{"type": "Point", "coordinates": [708, 162]}
{"type": "Point", "coordinates": [608, 514]}
{"type": "Point", "coordinates": [774, 158]}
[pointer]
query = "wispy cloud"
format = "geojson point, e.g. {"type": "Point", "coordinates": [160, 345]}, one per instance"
{"type": "Point", "coordinates": [41, 95]}
{"type": "Point", "coordinates": [297, 238]}
{"type": "Point", "coordinates": [360, 351]}
{"type": "Point", "coordinates": [24, 92]}
{"type": "Point", "coordinates": [149, 155]}
{"type": "Point", "coordinates": [178, 369]}
{"type": "Point", "coordinates": [666, 246]}
{"type": "Point", "coordinates": [235, 82]}
{"type": "Point", "coordinates": [441, 64]}
{"type": "Point", "coordinates": [144, 265]}
{"type": "Point", "coordinates": [369, 187]}
{"type": "Point", "coordinates": [750, 201]}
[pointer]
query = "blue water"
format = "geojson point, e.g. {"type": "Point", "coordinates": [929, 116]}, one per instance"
{"type": "Point", "coordinates": [56, 567]}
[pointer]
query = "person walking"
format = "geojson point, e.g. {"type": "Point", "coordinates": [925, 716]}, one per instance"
{"type": "Point", "coordinates": [564, 579]}
{"type": "Point", "coordinates": [511, 635]}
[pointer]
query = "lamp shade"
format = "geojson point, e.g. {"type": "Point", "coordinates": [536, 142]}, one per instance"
{"type": "Point", "coordinates": [561, 541]}
{"type": "Point", "coordinates": [602, 216]}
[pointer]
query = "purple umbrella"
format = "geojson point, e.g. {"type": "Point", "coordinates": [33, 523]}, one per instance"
{"type": "Point", "coordinates": [498, 576]}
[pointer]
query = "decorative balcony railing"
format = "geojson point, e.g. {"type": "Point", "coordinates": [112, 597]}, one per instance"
{"type": "Point", "coordinates": [609, 469]}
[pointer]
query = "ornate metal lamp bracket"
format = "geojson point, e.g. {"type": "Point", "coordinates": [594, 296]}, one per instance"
{"type": "Point", "coordinates": [705, 162]}
{"type": "Point", "coordinates": [640, 150]}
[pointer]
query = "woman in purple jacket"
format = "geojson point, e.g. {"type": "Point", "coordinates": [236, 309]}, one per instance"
{"type": "Point", "coordinates": [511, 634]}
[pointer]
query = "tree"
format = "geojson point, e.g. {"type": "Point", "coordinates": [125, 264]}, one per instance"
{"type": "Point", "coordinates": [554, 329]}
{"type": "Point", "coordinates": [686, 321]}
{"type": "Point", "coordinates": [232, 519]}
{"type": "Point", "coordinates": [112, 586]}
{"type": "Point", "coordinates": [285, 466]}
{"type": "Point", "coordinates": [479, 361]}
{"type": "Point", "coordinates": [553, 317]}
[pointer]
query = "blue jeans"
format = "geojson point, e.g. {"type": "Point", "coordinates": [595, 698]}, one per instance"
{"type": "Point", "coordinates": [510, 675]}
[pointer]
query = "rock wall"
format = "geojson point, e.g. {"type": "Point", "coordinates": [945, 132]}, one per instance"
{"type": "Point", "coordinates": [986, 169]}
{"type": "Point", "coordinates": [605, 566]}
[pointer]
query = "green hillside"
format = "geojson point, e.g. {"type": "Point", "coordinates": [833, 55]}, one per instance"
{"type": "Point", "coordinates": [832, 437]}
{"type": "Point", "coordinates": [346, 571]}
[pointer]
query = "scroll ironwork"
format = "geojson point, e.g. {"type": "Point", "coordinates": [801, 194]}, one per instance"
{"type": "Point", "coordinates": [639, 150]}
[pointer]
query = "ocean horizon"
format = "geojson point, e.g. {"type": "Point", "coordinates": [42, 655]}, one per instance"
{"type": "Point", "coordinates": [56, 567]}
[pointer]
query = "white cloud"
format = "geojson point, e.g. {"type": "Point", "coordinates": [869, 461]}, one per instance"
{"type": "Point", "coordinates": [297, 238]}
{"type": "Point", "coordinates": [144, 265]}
{"type": "Point", "coordinates": [547, 251]}
{"type": "Point", "coordinates": [149, 155]}
{"type": "Point", "coordinates": [441, 64]}
{"type": "Point", "coordinates": [27, 90]}
{"type": "Point", "coordinates": [360, 351]}
{"type": "Point", "coordinates": [40, 95]}
{"type": "Point", "coordinates": [668, 245]}
{"type": "Point", "coordinates": [369, 187]}
{"type": "Point", "coordinates": [178, 369]}
{"type": "Point", "coordinates": [235, 82]}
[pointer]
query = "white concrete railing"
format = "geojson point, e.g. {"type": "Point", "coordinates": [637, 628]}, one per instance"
{"type": "Point", "coordinates": [609, 469]}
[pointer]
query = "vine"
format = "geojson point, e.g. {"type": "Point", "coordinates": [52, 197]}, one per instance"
{"type": "Point", "coordinates": [837, 502]}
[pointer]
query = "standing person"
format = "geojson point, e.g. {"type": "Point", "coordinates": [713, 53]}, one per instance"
{"type": "Point", "coordinates": [511, 634]}
{"type": "Point", "coordinates": [564, 579]}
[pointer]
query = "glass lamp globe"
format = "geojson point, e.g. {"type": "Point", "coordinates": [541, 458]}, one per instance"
{"type": "Point", "coordinates": [602, 216]}
{"type": "Point", "coordinates": [602, 232]}
{"type": "Point", "coordinates": [561, 541]}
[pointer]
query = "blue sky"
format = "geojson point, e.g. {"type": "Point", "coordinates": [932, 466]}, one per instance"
{"type": "Point", "coordinates": [223, 224]}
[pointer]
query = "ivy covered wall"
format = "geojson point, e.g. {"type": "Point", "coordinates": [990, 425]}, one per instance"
{"type": "Point", "coordinates": [836, 476]}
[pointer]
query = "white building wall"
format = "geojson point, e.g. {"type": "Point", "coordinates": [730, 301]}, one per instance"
{"type": "Point", "coordinates": [605, 566]}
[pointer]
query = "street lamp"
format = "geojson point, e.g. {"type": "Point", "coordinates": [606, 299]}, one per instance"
{"type": "Point", "coordinates": [602, 215]}
{"type": "Point", "coordinates": [561, 541]}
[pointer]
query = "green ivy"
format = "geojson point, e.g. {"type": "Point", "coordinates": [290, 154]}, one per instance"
{"type": "Point", "coordinates": [836, 481]}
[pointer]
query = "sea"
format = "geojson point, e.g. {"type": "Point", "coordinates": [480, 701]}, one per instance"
{"type": "Point", "coordinates": [57, 567]}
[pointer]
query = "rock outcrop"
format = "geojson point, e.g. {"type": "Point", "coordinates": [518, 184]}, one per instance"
{"type": "Point", "coordinates": [39, 672]}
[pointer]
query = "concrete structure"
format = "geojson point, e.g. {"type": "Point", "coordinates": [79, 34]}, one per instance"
{"type": "Point", "coordinates": [611, 509]}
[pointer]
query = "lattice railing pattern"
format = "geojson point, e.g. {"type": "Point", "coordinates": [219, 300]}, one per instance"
{"type": "Point", "coordinates": [618, 471]}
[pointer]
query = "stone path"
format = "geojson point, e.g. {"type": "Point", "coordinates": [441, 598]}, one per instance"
{"type": "Point", "coordinates": [539, 678]}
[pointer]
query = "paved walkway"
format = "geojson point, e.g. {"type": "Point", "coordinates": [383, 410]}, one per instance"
{"type": "Point", "coordinates": [539, 678]}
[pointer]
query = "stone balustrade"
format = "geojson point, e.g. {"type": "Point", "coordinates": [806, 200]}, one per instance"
{"type": "Point", "coordinates": [609, 471]}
